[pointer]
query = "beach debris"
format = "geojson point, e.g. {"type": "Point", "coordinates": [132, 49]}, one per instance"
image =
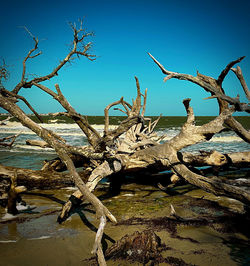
{"type": "Point", "coordinates": [140, 247]}
{"type": "Point", "coordinates": [14, 195]}
{"type": "Point", "coordinates": [12, 139]}
{"type": "Point", "coordinates": [39, 143]}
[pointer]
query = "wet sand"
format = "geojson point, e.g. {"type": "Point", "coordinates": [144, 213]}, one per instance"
{"type": "Point", "coordinates": [37, 239]}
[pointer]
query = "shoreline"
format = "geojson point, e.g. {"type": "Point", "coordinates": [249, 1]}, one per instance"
{"type": "Point", "coordinates": [136, 208]}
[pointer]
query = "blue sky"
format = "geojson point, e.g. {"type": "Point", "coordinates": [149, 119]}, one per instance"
{"type": "Point", "coordinates": [185, 36]}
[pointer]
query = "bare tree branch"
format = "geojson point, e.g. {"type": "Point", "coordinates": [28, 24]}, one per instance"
{"type": "Point", "coordinates": [29, 55]}
{"type": "Point", "coordinates": [238, 73]}
{"type": "Point", "coordinates": [25, 101]}
{"type": "Point", "coordinates": [214, 87]}
{"type": "Point", "coordinates": [79, 37]}
{"type": "Point", "coordinates": [144, 103]}
{"type": "Point", "coordinates": [106, 114]}
{"type": "Point", "coordinates": [9, 144]}
{"type": "Point", "coordinates": [4, 73]}
{"type": "Point", "coordinates": [240, 107]}
{"type": "Point", "coordinates": [132, 146]}
{"type": "Point", "coordinates": [227, 69]}
{"type": "Point", "coordinates": [92, 135]}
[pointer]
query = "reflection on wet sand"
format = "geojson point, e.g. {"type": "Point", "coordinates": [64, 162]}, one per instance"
{"type": "Point", "coordinates": [35, 238]}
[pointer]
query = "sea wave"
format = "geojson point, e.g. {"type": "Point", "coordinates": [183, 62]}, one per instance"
{"type": "Point", "coordinates": [7, 241]}
{"type": "Point", "coordinates": [226, 139]}
{"type": "Point", "coordinates": [39, 238]}
{"type": "Point", "coordinates": [29, 147]}
{"type": "Point", "coordinates": [74, 136]}
{"type": "Point", "coordinates": [62, 129]}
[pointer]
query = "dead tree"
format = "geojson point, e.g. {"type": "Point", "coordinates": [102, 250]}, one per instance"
{"type": "Point", "coordinates": [132, 146]}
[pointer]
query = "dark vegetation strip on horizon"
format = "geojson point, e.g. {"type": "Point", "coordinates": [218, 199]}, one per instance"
{"type": "Point", "coordinates": [165, 121]}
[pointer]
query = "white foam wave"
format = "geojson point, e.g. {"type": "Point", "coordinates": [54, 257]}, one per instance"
{"type": "Point", "coordinates": [226, 139]}
{"type": "Point", "coordinates": [13, 127]}
{"type": "Point", "coordinates": [39, 238]}
{"type": "Point", "coordinates": [8, 241]}
{"type": "Point", "coordinates": [54, 125]}
{"type": "Point", "coordinates": [29, 147]}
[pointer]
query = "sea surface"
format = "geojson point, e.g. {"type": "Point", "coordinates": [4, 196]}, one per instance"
{"type": "Point", "coordinates": [25, 156]}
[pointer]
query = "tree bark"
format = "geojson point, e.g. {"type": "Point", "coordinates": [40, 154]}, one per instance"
{"type": "Point", "coordinates": [39, 179]}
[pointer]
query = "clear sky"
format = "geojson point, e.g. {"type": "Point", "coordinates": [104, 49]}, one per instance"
{"type": "Point", "coordinates": [185, 36]}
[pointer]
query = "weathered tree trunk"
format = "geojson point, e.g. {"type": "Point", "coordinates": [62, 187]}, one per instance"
{"type": "Point", "coordinates": [12, 179]}
{"type": "Point", "coordinates": [203, 158]}
{"type": "Point", "coordinates": [39, 179]}
{"type": "Point", "coordinates": [214, 158]}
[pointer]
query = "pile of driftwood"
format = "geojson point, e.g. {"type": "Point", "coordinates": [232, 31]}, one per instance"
{"type": "Point", "coordinates": [132, 147]}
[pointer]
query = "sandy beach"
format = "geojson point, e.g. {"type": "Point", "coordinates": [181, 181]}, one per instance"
{"type": "Point", "coordinates": [35, 238]}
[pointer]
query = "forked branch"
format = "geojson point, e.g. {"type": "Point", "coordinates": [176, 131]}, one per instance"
{"type": "Point", "coordinates": [78, 48]}
{"type": "Point", "coordinates": [215, 88]}
{"type": "Point", "coordinates": [8, 144]}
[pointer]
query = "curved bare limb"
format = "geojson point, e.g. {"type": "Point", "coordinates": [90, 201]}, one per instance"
{"type": "Point", "coordinates": [238, 73]}
{"type": "Point", "coordinates": [16, 96]}
{"type": "Point", "coordinates": [227, 69]}
{"type": "Point", "coordinates": [106, 114]}
{"type": "Point", "coordinates": [92, 135]}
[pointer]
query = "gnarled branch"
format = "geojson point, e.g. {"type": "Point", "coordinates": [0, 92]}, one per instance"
{"type": "Point", "coordinates": [215, 88]}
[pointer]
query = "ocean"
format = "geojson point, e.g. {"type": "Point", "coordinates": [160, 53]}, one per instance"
{"type": "Point", "coordinates": [25, 156]}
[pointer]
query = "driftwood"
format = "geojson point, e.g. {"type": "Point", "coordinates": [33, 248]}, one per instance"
{"type": "Point", "coordinates": [13, 180]}
{"type": "Point", "coordinates": [10, 192]}
{"type": "Point", "coordinates": [13, 194]}
{"type": "Point", "coordinates": [138, 247]}
{"type": "Point", "coordinates": [132, 146]}
{"type": "Point", "coordinates": [58, 165]}
{"type": "Point", "coordinates": [203, 158]}
{"type": "Point", "coordinates": [40, 143]}
{"type": "Point", "coordinates": [39, 179]}
{"type": "Point", "coordinates": [214, 86]}
{"type": "Point", "coordinates": [214, 158]}
{"type": "Point", "coordinates": [10, 143]}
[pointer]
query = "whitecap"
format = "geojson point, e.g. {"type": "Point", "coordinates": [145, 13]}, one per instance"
{"type": "Point", "coordinates": [39, 238]}
{"type": "Point", "coordinates": [8, 241]}
{"type": "Point", "coordinates": [226, 139]}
